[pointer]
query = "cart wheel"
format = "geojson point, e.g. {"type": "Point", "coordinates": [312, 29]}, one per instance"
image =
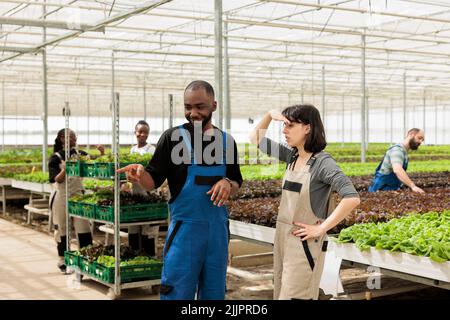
{"type": "Point", "coordinates": [111, 294]}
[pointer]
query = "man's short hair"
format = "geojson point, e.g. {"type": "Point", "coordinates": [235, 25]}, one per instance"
{"type": "Point", "coordinates": [198, 84]}
{"type": "Point", "coordinates": [413, 131]}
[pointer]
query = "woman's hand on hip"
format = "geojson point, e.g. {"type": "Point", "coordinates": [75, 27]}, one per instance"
{"type": "Point", "coordinates": [308, 231]}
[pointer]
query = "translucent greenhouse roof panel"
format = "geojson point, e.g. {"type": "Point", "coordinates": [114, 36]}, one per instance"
{"type": "Point", "coordinates": [279, 45]}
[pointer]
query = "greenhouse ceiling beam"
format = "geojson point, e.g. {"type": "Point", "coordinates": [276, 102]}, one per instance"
{"type": "Point", "coordinates": [265, 23]}
{"type": "Point", "coordinates": [259, 23]}
{"type": "Point", "coordinates": [307, 27]}
{"type": "Point", "coordinates": [437, 54]}
{"type": "Point", "coordinates": [15, 49]}
{"type": "Point", "coordinates": [47, 13]}
{"type": "Point", "coordinates": [239, 93]}
{"type": "Point", "coordinates": [428, 2]}
{"type": "Point", "coordinates": [415, 62]}
{"type": "Point", "coordinates": [206, 64]}
{"type": "Point", "coordinates": [432, 39]}
{"type": "Point", "coordinates": [289, 84]}
{"type": "Point", "coordinates": [139, 9]}
{"type": "Point", "coordinates": [329, 30]}
{"type": "Point", "coordinates": [62, 5]}
{"type": "Point", "coordinates": [245, 39]}
{"type": "Point", "coordinates": [130, 98]}
{"type": "Point", "coordinates": [330, 55]}
{"type": "Point", "coordinates": [355, 10]}
{"type": "Point", "coordinates": [211, 56]}
{"type": "Point", "coordinates": [282, 52]}
{"type": "Point", "coordinates": [129, 101]}
{"type": "Point", "coordinates": [237, 70]}
{"type": "Point", "coordinates": [238, 73]}
{"type": "Point", "coordinates": [43, 23]}
{"type": "Point", "coordinates": [101, 9]}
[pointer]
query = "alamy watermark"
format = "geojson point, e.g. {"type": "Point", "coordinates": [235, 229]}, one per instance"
{"type": "Point", "coordinates": [374, 279]}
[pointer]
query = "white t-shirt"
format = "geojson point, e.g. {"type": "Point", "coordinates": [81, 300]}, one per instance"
{"type": "Point", "coordinates": [148, 148]}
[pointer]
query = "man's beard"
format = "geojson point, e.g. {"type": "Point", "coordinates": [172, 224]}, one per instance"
{"type": "Point", "coordinates": [413, 145]}
{"type": "Point", "coordinates": [204, 121]}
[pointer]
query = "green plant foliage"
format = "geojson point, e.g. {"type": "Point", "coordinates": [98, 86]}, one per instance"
{"type": "Point", "coordinates": [350, 152]}
{"type": "Point", "coordinates": [105, 255]}
{"type": "Point", "coordinates": [22, 156]}
{"type": "Point", "coordinates": [109, 261]}
{"type": "Point", "coordinates": [125, 158]}
{"type": "Point", "coordinates": [423, 235]}
{"type": "Point", "coordinates": [93, 184]}
{"type": "Point", "coordinates": [38, 177]}
{"type": "Point", "coordinates": [276, 171]}
{"type": "Point", "coordinates": [105, 197]}
{"type": "Point", "coordinates": [9, 171]}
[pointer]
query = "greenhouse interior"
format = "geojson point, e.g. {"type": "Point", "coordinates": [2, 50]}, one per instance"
{"type": "Point", "coordinates": [326, 123]}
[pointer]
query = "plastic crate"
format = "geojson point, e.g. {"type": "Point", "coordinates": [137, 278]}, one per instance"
{"type": "Point", "coordinates": [71, 259]}
{"type": "Point", "coordinates": [75, 208]}
{"type": "Point", "coordinates": [105, 170]}
{"type": "Point", "coordinates": [141, 272]}
{"type": "Point", "coordinates": [88, 169]}
{"type": "Point", "coordinates": [141, 212]}
{"type": "Point", "coordinates": [87, 210]}
{"type": "Point", "coordinates": [129, 273]}
{"type": "Point", "coordinates": [73, 168]}
{"type": "Point", "coordinates": [102, 272]}
{"type": "Point", "coordinates": [86, 265]}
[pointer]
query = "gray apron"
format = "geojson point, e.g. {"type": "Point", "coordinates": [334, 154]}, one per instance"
{"type": "Point", "coordinates": [298, 265]}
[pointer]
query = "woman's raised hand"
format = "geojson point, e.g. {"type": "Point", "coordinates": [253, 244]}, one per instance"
{"type": "Point", "coordinates": [277, 116]}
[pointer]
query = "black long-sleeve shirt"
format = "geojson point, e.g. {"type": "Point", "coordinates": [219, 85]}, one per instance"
{"type": "Point", "coordinates": [164, 166]}
{"type": "Point", "coordinates": [55, 161]}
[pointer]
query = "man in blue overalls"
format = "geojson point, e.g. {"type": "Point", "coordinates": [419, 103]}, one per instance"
{"type": "Point", "coordinates": [391, 172]}
{"type": "Point", "coordinates": [200, 163]}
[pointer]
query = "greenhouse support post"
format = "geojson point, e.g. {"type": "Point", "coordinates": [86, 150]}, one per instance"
{"type": "Point", "coordinates": [363, 97]}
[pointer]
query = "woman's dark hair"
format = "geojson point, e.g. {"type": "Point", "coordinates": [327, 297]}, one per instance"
{"type": "Point", "coordinates": [141, 123]}
{"type": "Point", "coordinates": [58, 144]}
{"type": "Point", "coordinates": [308, 114]}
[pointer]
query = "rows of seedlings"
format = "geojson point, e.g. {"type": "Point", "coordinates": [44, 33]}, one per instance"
{"type": "Point", "coordinates": [272, 188]}
{"type": "Point", "coordinates": [381, 206]}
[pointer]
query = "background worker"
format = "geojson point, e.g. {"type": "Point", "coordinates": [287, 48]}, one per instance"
{"type": "Point", "coordinates": [57, 202]}
{"type": "Point", "coordinates": [142, 237]}
{"type": "Point", "coordinates": [391, 171]}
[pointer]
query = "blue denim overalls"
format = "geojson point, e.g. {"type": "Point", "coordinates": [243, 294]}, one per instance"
{"type": "Point", "coordinates": [386, 181]}
{"type": "Point", "coordinates": [196, 248]}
